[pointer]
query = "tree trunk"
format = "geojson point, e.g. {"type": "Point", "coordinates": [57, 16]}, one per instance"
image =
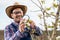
{"type": "Point", "coordinates": [55, 25]}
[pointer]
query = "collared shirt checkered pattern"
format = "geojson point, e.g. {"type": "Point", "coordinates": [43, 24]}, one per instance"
{"type": "Point", "coordinates": [11, 32]}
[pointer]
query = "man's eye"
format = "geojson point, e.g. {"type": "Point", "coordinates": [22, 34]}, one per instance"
{"type": "Point", "coordinates": [17, 12]}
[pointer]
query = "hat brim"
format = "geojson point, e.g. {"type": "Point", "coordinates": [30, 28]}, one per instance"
{"type": "Point", "coordinates": [10, 8]}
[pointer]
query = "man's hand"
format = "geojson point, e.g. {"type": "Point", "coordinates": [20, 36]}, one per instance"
{"type": "Point", "coordinates": [32, 24]}
{"type": "Point", "coordinates": [21, 25]}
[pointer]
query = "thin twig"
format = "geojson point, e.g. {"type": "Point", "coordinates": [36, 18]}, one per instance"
{"type": "Point", "coordinates": [35, 11]}
{"type": "Point", "coordinates": [36, 4]}
{"type": "Point", "coordinates": [41, 24]}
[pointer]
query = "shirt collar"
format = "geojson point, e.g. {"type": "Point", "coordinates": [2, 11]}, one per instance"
{"type": "Point", "coordinates": [16, 24]}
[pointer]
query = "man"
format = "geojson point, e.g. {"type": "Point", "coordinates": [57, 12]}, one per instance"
{"type": "Point", "coordinates": [16, 30]}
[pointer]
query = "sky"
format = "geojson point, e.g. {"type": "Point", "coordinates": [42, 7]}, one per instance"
{"type": "Point", "coordinates": [5, 20]}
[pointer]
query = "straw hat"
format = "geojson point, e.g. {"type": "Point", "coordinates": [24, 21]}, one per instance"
{"type": "Point", "coordinates": [12, 7]}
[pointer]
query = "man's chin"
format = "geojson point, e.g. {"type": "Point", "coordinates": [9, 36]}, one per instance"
{"type": "Point", "coordinates": [18, 21]}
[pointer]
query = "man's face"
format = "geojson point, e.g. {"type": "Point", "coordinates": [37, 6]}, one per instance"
{"type": "Point", "coordinates": [17, 14]}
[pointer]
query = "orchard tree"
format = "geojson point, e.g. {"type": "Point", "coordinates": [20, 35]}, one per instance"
{"type": "Point", "coordinates": [48, 13]}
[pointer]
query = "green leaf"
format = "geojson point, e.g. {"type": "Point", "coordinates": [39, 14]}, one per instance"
{"type": "Point", "coordinates": [59, 21]}
{"type": "Point", "coordinates": [42, 1]}
{"type": "Point", "coordinates": [50, 26]}
{"type": "Point", "coordinates": [52, 12]}
{"type": "Point", "coordinates": [55, 5]}
{"type": "Point", "coordinates": [47, 15]}
{"type": "Point", "coordinates": [52, 23]}
{"type": "Point", "coordinates": [48, 8]}
{"type": "Point", "coordinates": [28, 26]}
{"type": "Point", "coordinates": [39, 16]}
{"type": "Point", "coordinates": [53, 0]}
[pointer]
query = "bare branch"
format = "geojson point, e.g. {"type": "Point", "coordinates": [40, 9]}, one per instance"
{"type": "Point", "coordinates": [55, 25]}
{"type": "Point", "coordinates": [41, 24]}
{"type": "Point", "coordinates": [36, 4]}
{"type": "Point", "coordinates": [35, 11]}
{"type": "Point", "coordinates": [40, 5]}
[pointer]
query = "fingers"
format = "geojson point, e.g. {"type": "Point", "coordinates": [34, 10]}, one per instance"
{"type": "Point", "coordinates": [22, 25]}
{"type": "Point", "coordinates": [22, 21]}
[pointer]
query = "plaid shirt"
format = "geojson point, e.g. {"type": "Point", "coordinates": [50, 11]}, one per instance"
{"type": "Point", "coordinates": [11, 32]}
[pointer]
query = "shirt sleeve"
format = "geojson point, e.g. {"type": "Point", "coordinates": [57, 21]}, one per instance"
{"type": "Point", "coordinates": [38, 31]}
{"type": "Point", "coordinates": [12, 36]}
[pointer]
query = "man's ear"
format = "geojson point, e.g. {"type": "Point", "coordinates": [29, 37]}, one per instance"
{"type": "Point", "coordinates": [12, 15]}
